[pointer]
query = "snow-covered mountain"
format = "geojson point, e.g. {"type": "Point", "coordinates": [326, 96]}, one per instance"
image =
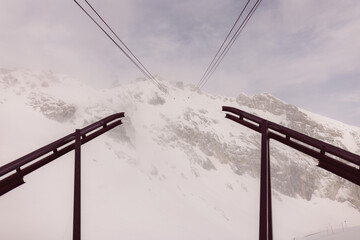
{"type": "Point", "coordinates": [176, 168]}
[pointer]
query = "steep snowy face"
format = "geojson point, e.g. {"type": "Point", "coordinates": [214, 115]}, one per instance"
{"type": "Point", "coordinates": [179, 145]}
{"type": "Point", "coordinates": [296, 174]}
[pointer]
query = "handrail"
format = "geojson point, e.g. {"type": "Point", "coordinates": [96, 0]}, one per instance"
{"type": "Point", "coordinates": [347, 168]}
{"type": "Point", "coordinates": [344, 168]}
{"type": "Point", "coordinates": [58, 148]}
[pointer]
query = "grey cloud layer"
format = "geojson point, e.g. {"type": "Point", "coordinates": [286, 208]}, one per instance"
{"type": "Point", "coordinates": [299, 51]}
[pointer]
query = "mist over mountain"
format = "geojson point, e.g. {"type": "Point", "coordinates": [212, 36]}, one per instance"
{"type": "Point", "coordinates": [175, 169]}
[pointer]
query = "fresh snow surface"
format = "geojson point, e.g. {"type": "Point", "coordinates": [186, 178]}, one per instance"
{"type": "Point", "coordinates": [344, 233]}
{"type": "Point", "coordinates": [148, 178]}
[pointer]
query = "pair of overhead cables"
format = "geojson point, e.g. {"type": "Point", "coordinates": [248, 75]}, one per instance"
{"type": "Point", "coordinates": [224, 50]}
{"type": "Point", "coordinates": [129, 54]}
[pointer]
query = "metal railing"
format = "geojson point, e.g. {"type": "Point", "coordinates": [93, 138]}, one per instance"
{"type": "Point", "coordinates": [12, 174]}
{"type": "Point", "coordinates": [331, 158]}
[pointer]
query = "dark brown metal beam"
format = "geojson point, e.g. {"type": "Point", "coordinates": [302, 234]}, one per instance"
{"type": "Point", "coordinates": [265, 220]}
{"type": "Point", "coordinates": [347, 166]}
{"type": "Point", "coordinates": [77, 187]}
{"type": "Point", "coordinates": [41, 157]}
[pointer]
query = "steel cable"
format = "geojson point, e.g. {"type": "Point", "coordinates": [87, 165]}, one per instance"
{"type": "Point", "coordinates": [138, 64]}
{"type": "Point", "coordinates": [217, 53]}
{"type": "Point", "coordinates": [121, 41]}
{"type": "Point", "coordinates": [215, 64]}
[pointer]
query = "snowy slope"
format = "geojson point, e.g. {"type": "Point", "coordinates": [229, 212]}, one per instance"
{"type": "Point", "coordinates": [352, 233]}
{"type": "Point", "coordinates": [176, 168]}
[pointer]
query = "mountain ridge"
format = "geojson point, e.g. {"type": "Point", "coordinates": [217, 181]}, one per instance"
{"type": "Point", "coordinates": [189, 127]}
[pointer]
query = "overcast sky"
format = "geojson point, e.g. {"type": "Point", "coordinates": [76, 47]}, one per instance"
{"type": "Point", "coordinates": [304, 52]}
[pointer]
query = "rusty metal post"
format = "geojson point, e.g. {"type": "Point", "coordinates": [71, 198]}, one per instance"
{"type": "Point", "coordinates": [265, 221]}
{"type": "Point", "coordinates": [77, 187]}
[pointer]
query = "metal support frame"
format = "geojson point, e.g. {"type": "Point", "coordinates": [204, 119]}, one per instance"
{"type": "Point", "coordinates": [331, 158]}
{"type": "Point", "coordinates": [265, 226]}
{"type": "Point", "coordinates": [77, 187]}
{"type": "Point", "coordinates": [12, 174]}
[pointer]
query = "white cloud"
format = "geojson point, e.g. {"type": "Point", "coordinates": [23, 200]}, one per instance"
{"type": "Point", "coordinates": [350, 97]}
